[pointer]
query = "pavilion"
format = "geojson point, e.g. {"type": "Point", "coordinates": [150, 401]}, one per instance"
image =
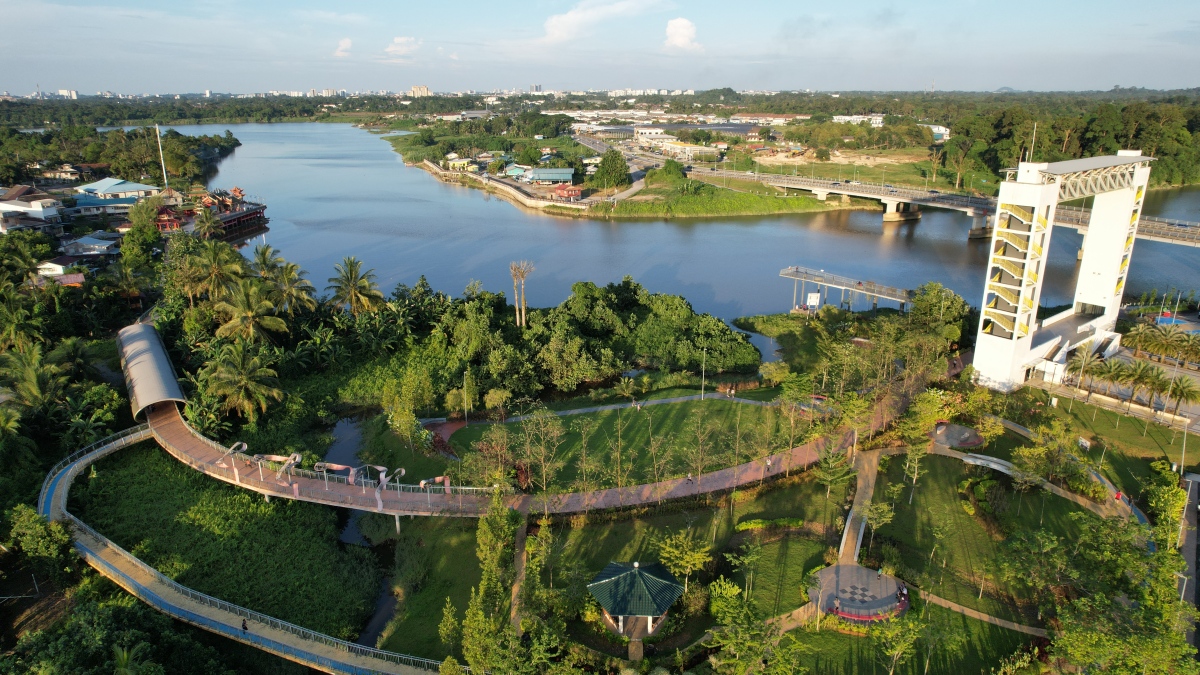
{"type": "Point", "coordinates": [634, 591]}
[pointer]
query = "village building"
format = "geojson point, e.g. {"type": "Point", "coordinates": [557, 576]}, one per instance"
{"type": "Point", "coordinates": [108, 188]}
{"type": "Point", "coordinates": [90, 246]}
{"type": "Point", "coordinates": [56, 266]}
{"type": "Point", "coordinates": [549, 176]}
{"type": "Point", "coordinates": [568, 193]}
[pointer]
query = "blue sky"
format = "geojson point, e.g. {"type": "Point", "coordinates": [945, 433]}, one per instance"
{"type": "Point", "coordinates": [139, 46]}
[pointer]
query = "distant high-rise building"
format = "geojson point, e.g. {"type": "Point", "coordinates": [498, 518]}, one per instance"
{"type": "Point", "coordinates": [535, 88]}
{"type": "Point", "coordinates": [420, 91]}
{"type": "Point", "coordinates": [208, 93]}
{"type": "Point", "coordinates": [68, 93]}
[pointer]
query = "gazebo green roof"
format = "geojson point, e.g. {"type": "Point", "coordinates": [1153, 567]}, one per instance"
{"type": "Point", "coordinates": [633, 589]}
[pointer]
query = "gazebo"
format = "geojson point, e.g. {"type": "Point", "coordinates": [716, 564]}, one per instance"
{"type": "Point", "coordinates": [633, 591]}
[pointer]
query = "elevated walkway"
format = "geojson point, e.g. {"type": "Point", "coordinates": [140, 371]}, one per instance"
{"type": "Point", "coordinates": [286, 640]}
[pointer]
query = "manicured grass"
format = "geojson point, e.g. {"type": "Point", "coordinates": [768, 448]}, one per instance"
{"type": "Point", "coordinates": [836, 653]}
{"type": "Point", "coordinates": [969, 549]}
{"type": "Point", "coordinates": [597, 543]}
{"type": "Point", "coordinates": [672, 421]}
{"type": "Point", "coordinates": [380, 445]}
{"type": "Point", "coordinates": [1129, 451]}
{"type": "Point", "coordinates": [453, 572]}
{"type": "Point", "coordinates": [778, 586]}
{"type": "Point", "coordinates": [1002, 447]}
{"type": "Point", "coordinates": [281, 558]}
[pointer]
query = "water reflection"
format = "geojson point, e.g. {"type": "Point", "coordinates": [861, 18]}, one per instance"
{"type": "Point", "coordinates": [333, 190]}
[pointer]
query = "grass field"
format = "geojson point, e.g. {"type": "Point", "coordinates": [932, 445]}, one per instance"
{"type": "Point", "coordinates": [453, 572]}
{"type": "Point", "coordinates": [281, 557]}
{"type": "Point", "coordinates": [969, 549]}
{"type": "Point", "coordinates": [1127, 460]}
{"type": "Point", "coordinates": [380, 445]}
{"type": "Point", "coordinates": [797, 341]}
{"type": "Point", "coordinates": [672, 421]}
{"type": "Point", "coordinates": [840, 654]}
{"type": "Point", "coordinates": [666, 198]}
{"type": "Point", "coordinates": [784, 561]}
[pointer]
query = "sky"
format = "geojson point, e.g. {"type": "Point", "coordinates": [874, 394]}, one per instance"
{"type": "Point", "coordinates": [244, 46]}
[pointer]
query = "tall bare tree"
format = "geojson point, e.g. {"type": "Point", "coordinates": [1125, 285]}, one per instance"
{"type": "Point", "coordinates": [523, 270]}
{"type": "Point", "coordinates": [514, 269]}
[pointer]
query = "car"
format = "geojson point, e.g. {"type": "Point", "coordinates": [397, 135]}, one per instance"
{"type": "Point", "coordinates": [853, 182]}
{"type": "Point", "coordinates": [888, 186]}
{"type": "Point", "coordinates": [934, 192]}
{"type": "Point", "coordinates": [893, 192]}
{"type": "Point", "coordinates": [712, 168]}
{"type": "Point", "coordinates": [749, 173]}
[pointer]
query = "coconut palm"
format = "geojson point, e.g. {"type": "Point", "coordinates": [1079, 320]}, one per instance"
{"type": "Point", "coordinates": [218, 266]}
{"type": "Point", "coordinates": [71, 354]}
{"type": "Point", "coordinates": [127, 281]}
{"type": "Point", "coordinates": [1138, 338]}
{"type": "Point", "coordinates": [1183, 389]}
{"type": "Point", "coordinates": [266, 261]}
{"type": "Point", "coordinates": [248, 312]}
{"type": "Point", "coordinates": [205, 225]}
{"type": "Point", "coordinates": [1157, 382]}
{"type": "Point", "coordinates": [291, 291]}
{"type": "Point", "coordinates": [354, 289]}
{"type": "Point", "coordinates": [238, 377]}
{"type": "Point", "coordinates": [1189, 348]}
{"type": "Point", "coordinates": [33, 383]}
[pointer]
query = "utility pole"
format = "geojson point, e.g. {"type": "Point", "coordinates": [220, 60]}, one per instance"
{"type": "Point", "coordinates": [703, 371]}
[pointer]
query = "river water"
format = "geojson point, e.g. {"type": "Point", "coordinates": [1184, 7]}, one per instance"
{"type": "Point", "coordinates": [334, 191]}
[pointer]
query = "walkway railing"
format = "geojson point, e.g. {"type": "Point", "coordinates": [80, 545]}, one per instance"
{"type": "Point", "coordinates": [52, 503]}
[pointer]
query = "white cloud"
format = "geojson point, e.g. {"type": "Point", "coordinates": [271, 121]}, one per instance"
{"type": "Point", "coordinates": [400, 49]}
{"type": "Point", "coordinates": [343, 48]}
{"type": "Point", "coordinates": [681, 36]}
{"type": "Point", "coordinates": [583, 17]}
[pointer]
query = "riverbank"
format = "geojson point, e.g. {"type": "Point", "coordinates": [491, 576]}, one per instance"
{"type": "Point", "coordinates": [659, 200]}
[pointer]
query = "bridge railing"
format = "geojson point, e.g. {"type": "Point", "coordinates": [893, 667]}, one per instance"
{"type": "Point", "coordinates": [118, 440]}
{"type": "Point", "coordinates": [237, 610]}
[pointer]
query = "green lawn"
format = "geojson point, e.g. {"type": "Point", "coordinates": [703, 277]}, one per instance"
{"type": "Point", "coordinates": [969, 549]}
{"type": "Point", "coordinates": [777, 580]}
{"type": "Point", "coordinates": [1130, 453]}
{"type": "Point", "coordinates": [281, 558]}
{"type": "Point", "coordinates": [836, 653]}
{"type": "Point", "coordinates": [666, 197]}
{"type": "Point", "coordinates": [380, 445]}
{"type": "Point", "coordinates": [797, 340]}
{"type": "Point", "coordinates": [453, 572]}
{"type": "Point", "coordinates": [672, 421]}
{"type": "Point", "coordinates": [1002, 447]}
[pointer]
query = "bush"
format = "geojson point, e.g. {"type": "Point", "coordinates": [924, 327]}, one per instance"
{"type": "Point", "coordinates": [759, 524]}
{"type": "Point", "coordinates": [724, 599]}
{"type": "Point", "coordinates": [46, 545]}
{"type": "Point", "coordinates": [695, 600]}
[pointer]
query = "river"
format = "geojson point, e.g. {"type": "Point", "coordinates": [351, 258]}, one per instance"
{"type": "Point", "coordinates": [333, 190]}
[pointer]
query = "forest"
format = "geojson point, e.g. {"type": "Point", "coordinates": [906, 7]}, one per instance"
{"type": "Point", "coordinates": [132, 155]}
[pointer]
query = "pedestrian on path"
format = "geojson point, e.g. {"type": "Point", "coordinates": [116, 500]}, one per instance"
{"type": "Point", "coordinates": [244, 627]}
{"type": "Point", "coordinates": [689, 479]}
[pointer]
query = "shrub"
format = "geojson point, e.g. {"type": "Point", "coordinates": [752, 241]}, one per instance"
{"type": "Point", "coordinates": [724, 599]}
{"type": "Point", "coordinates": [46, 545]}
{"type": "Point", "coordinates": [759, 524]}
{"type": "Point", "coordinates": [695, 600]}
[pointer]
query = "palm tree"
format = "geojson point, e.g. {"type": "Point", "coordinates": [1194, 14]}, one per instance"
{"type": "Point", "coordinates": [1156, 383]}
{"type": "Point", "coordinates": [218, 266]}
{"type": "Point", "coordinates": [515, 271]}
{"type": "Point", "coordinates": [205, 224]}
{"type": "Point", "coordinates": [1111, 372]}
{"type": "Point", "coordinates": [1167, 340]}
{"type": "Point", "coordinates": [291, 291]}
{"type": "Point", "coordinates": [354, 289]}
{"type": "Point", "coordinates": [520, 272]}
{"type": "Point", "coordinates": [1138, 376]}
{"type": "Point", "coordinates": [1189, 348]}
{"type": "Point", "coordinates": [1184, 390]}
{"type": "Point", "coordinates": [127, 281]}
{"type": "Point", "coordinates": [128, 661]}
{"type": "Point", "coordinates": [72, 354]}
{"type": "Point", "coordinates": [266, 261]}
{"type": "Point", "coordinates": [1084, 364]}
{"type": "Point", "coordinates": [1138, 338]}
{"type": "Point", "coordinates": [33, 383]}
{"type": "Point", "coordinates": [238, 377]}
{"type": "Point", "coordinates": [249, 312]}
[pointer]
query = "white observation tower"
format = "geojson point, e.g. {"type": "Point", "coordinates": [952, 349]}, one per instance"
{"type": "Point", "coordinates": [1012, 344]}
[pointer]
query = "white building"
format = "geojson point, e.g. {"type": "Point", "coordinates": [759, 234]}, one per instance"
{"type": "Point", "coordinates": [85, 246]}
{"type": "Point", "coordinates": [115, 188]}
{"type": "Point", "coordinates": [876, 121]}
{"type": "Point", "coordinates": [1012, 344]}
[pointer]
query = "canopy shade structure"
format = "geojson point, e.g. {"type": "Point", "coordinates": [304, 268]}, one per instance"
{"type": "Point", "coordinates": [149, 375]}
{"type": "Point", "coordinates": [633, 589]}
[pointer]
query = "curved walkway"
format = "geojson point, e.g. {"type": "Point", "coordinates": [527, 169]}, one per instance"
{"type": "Point", "coordinates": [281, 638]}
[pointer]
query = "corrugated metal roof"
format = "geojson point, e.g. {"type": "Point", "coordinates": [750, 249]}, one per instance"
{"type": "Point", "coordinates": [632, 589]}
{"type": "Point", "coordinates": [548, 172]}
{"type": "Point", "coordinates": [110, 185]}
{"type": "Point", "coordinates": [149, 375]}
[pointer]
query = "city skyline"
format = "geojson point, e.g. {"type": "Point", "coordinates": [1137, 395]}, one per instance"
{"type": "Point", "coordinates": [597, 44]}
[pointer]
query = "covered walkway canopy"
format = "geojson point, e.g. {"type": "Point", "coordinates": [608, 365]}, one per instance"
{"type": "Point", "coordinates": [149, 375]}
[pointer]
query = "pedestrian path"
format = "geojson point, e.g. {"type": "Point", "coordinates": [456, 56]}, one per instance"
{"type": "Point", "coordinates": [976, 614]}
{"type": "Point", "coordinates": [281, 638]}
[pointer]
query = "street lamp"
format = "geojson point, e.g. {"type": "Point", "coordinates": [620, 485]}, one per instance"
{"type": "Point", "coordinates": [703, 371]}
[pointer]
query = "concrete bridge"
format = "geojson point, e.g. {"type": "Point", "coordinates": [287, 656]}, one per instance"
{"type": "Point", "coordinates": [902, 203]}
